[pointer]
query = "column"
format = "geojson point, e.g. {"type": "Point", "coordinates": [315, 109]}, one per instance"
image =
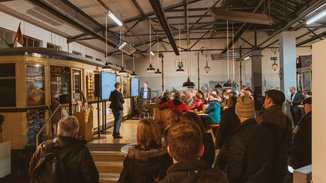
{"type": "Point", "coordinates": [256, 73]}
{"type": "Point", "coordinates": [288, 70]}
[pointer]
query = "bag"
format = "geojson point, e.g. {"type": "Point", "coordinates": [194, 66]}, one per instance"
{"type": "Point", "coordinates": [51, 168]}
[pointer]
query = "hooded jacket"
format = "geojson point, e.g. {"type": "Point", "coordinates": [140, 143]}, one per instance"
{"type": "Point", "coordinates": [214, 111]}
{"type": "Point", "coordinates": [141, 166]}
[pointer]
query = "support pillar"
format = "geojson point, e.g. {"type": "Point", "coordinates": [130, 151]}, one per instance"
{"type": "Point", "coordinates": [288, 70]}
{"type": "Point", "coordinates": [256, 72]}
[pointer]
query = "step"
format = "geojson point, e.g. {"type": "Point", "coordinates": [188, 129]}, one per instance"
{"type": "Point", "coordinates": [109, 177]}
{"type": "Point", "coordinates": [107, 156]}
{"type": "Point", "coordinates": [109, 167]}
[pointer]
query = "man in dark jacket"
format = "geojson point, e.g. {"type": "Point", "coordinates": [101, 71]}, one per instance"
{"type": "Point", "coordinates": [302, 138]}
{"type": "Point", "coordinates": [78, 161]}
{"type": "Point", "coordinates": [116, 105]}
{"type": "Point", "coordinates": [281, 128]}
{"type": "Point", "coordinates": [246, 156]}
{"type": "Point", "coordinates": [144, 97]}
{"type": "Point", "coordinates": [296, 100]}
{"type": "Point", "coordinates": [185, 146]}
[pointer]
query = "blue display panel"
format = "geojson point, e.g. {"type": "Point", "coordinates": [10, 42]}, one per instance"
{"type": "Point", "coordinates": [108, 81]}
{"type": "Point", "coordinates": [134, 86]}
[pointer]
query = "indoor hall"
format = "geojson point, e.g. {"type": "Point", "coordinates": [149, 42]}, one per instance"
{"type": "Point", "coordinates": [65, 57]}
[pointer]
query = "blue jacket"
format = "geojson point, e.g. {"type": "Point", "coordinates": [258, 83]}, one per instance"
{"type": "Point", "coordinates": [214, 111]}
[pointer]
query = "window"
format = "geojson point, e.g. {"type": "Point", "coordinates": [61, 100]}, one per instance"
{"type": "Point", "coordinates": [31, 42]}
{"type": "Point", "coordinates": [88, 56]}
{"type": "Point", "coordinates": [7, 85]}
{"type": "Point", "coordinates": [53, 46]}
{"type": "Point", "coordinates": [98, 59]}
{"type": "Point", "coordinates": [76, 53]}
{"type": "Point", "coordinates": [6, 38]}
{"type": "Point", "coordinates": [35, 85]}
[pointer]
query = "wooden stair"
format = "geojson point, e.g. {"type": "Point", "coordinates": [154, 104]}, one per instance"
{"type": "Point", "coordinates": [109, 165]}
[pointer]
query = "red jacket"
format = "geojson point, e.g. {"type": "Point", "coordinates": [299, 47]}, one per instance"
{"type": "Point", "coordinates": [175, 104]}
{"type": "Point", "coordinates": [197, 104]}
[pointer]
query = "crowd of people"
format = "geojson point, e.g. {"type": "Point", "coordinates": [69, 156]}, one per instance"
{"type": "Point", "coordinates": [245, 146]}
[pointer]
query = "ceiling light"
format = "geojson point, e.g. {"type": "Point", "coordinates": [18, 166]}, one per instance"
{"type": "Point", "coordinates": [133, 74]}
{"type": "Point", "coordinates": [152, 53]}
{"type": "Point", "coordinates": [150, 68]}
{"type": "Point", "coordinates": [189, 84]}
{"type": "Point", "coordinates": [107, 66]}
{"type": "Point", "coordinates": [158, 72]}
{"type": "Point", "coordinates": [246, 58]}
{"type": "Point", "coordinates": [127, 48]}
{"type": "Point", "coordinates": [316, 17]}
{"type": "Point", "coordinates": [115, 19]}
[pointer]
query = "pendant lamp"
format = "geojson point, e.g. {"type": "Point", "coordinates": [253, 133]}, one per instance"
{"type": "Point", "coordinates": [133, 74]}
{"type": "Point", "coordinates": [122, 70]}
{"type": "Point", "coordinates": [158, 72]}
{"type": "Point", "coordinates": [150, 67]}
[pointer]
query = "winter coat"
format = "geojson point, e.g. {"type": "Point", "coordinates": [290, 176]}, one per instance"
{"type": "Point", "coordinates": [117, 100]}
{"type": "Point", "coordinates": [302, 143]}
{"type": "Point", "coordinates": [209, 151]}
{"type": "Point", "coordinates": [175, 104]}
{"type": "Point", "coordinates": [197, 104]}
{"type": "Point", "coordinates": [229, 122]}
{"type": "Point", "coordinates": [145, 166]}
{"type": "Point", "coordinates": [214, 111]}
{"type": "Point", "coordinates": [246, 156]}
{"type": "Point", "coordinates": [281, 128]}
{"type": "Point", "coordinates": [196, 171]}
{"type": "Point", "coordinates": [78, 162]}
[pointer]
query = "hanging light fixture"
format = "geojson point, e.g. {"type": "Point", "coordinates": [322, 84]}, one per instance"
{"type": "Point", "coordinates": [106, 66]}
{"type": "Point", "coordinates": [122, 70]}
{"type": "Point", "coordinates": [158, 72]}
{"type": "Point", "coordinates": [188, 83]}
{"type": "Point", "coordinates": [207, 68]}
{"type": "Point", "coordinates": [180, 61]}
{"type": "Point", "coordinates": [274, 65]}
{"type": "Point", "coordinates": [133, 74]}
{"type": "Point", "coordinates": [150, 67]}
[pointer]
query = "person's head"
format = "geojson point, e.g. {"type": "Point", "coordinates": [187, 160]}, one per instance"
{"type": "Point", "coordinates": [199, 95]}
{"type": "Point", "coordinates": [230, 102]}
{"type": "Point", "coordinates": [145, 84]}
{"type": "Point", "coordinates": [166, 94]}
{"type": "Point", "coordinates": [177, 95]}
{"type": "Point", "coordinates": [292, 89]}
{"type": "Point", "coordinates": [307, 105]}
{"type": "Point", "coordinates": [173, 117]}
{"type": "Point", "coordinates": [227, 94]}
{"type": "Point", "coordinates": [185, 142]}
{"type": "Point", "coordinates": [193, 117]}
{"type": "Point", "coordinates": [244, 108]}
{"type": "Point", "coordinates": [273, 97]}
{"type": "Point", "coordinates": [68, 127]}
{"type": "Point", "coordinates": [148, 134]}
{"type": "Point", "coordinates": [117, 86]}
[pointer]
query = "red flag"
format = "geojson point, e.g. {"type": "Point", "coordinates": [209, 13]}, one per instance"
{"type": "Point", "coordinates": [19, 36]}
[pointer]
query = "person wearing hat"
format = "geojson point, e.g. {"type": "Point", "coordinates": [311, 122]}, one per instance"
{"type": "Point", "coordinates": [301, 152]}
{"type": "Point", "coordinates": [246, 156]}
{"type": "Point", "coordinates": [280, 126]}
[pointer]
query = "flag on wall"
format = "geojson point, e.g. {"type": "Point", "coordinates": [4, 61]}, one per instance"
{"type": "Point", "coordinates": [19, 36]}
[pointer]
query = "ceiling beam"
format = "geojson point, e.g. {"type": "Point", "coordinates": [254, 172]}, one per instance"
{"type": "Point", "coordinates": [64, 16]}
{"type": "Point", "coordinates": [312, 39]}
{"type": "Point", "coordinates": [140, 10]}
{"type": "Point", "coordinates": [159, 12]}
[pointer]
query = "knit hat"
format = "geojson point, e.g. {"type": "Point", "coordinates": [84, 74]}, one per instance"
{"type": "Point", "coordinates": [245, 107]}
{"type": "Point", "coordinates": [277, 96]}
{"type": "Point", "coordinates": [307, 100]}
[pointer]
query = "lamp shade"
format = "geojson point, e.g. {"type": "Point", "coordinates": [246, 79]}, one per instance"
{"type": "Point", "coordinates": [133, 74]}
{"type": "Point", "coordinates": [158, 72]}
{"type": "Point", "coordinates": [150, 68]}
{"type": "Point", "coordinates": [107, 67]}
{"type": "Point", "coordinates": [122, 71]}
{"type": "Point", "coordinates": [189, 84]}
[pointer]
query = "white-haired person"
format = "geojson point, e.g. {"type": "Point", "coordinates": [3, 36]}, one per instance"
{"type": "Point", "coordinates": [77, 160]}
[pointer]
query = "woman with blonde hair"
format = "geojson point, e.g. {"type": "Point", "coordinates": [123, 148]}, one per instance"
{"type": "Point", "coordinates": [148, 160]}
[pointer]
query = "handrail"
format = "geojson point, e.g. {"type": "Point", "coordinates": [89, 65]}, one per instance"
{"type": "Point", "coordinates": [49, 119]}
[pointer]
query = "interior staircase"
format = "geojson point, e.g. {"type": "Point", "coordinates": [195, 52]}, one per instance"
{"type": "Point", "coordinates": [109, 165]}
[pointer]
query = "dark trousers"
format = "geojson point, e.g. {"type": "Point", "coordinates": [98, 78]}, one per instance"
{"type": "Point", "coordinates": [117, 122]}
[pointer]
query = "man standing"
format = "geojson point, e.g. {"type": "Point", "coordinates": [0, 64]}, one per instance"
{"type": "Point", "coordinates": [116, 105]}
{"type": "Point", "coordinates": [144, 97]}
{"type": "Point", "coordinates": [78, 162]}
{"type": "Point", "coordinates": [281, 128]}
{"type": "Point", "coordinates": [296, 100]}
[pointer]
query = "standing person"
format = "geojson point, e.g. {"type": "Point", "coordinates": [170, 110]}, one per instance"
{"type": "Point", "coordinates": [185, 146]}
{"type": "Point", "coordinates": [148, 160]}
{"type": "Point", "coordinates": [246, 156]}
{"type": "Point", "coordinates": [281, 128]}
{"type": "Point", "coordinates": [301, 154]}
{"type": "Point", "coordinates": [144, 97]}
{"type": "Point", "coordinates": [79, 165]}
{"type": "Point", "coordinates": [116, 105]}
{"type": "Point", "coordinates": [214, 110]}
{"type": "Point", "coordinates": [296, 100]}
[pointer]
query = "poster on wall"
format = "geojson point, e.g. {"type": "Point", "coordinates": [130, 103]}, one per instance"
{"type": "Point", "coordinates": [35, 121]}
{"type": "Point", "coordinates": [108, 81]}
{"type": "Point", "coordinates": [134, 86]}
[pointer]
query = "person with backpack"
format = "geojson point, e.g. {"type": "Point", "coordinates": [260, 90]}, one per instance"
{"type": "Point", "coordinates": [64, 158]}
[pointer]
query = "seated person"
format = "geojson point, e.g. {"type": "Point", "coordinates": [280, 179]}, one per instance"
{"type": "Point", "coordinates": [165, 97]}
{"type": "Point", "coordinates": [209, 151]}
{"type": "Point", "coordinates": [198, 102]}
{"type": "Point", "coordinates": [185, 146]}
{"type": "Point", "coordinates": [148, 160]}
{"type": "Point", "coordinates": [175, 104]}
{"type": "Point", "coordinates": [214, 110]}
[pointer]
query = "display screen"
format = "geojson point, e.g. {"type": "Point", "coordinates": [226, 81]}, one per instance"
{"type": "Point", "coordinates": [134, 86]}
{"type": "Point", "coordinates": [108, 81]}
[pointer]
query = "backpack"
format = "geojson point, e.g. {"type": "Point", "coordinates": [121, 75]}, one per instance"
{"type": "Point", "coordinates": [51, 168]}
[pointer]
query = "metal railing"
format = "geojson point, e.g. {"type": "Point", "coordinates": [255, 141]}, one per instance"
{"type": "Point", "coordinates": [45, 125]}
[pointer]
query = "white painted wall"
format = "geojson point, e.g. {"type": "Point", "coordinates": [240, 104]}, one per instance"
{"type": "Point", "coordinates": [318, 116]}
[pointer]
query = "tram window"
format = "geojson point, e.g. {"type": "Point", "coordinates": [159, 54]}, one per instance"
{"type": "Point", "coordinates": [53, 46]}
{"type": "Point", "coordinates": [88, 56]}
{"type": "Point", "coordinates": [31, 42]}
{"type": "Point", "coordinates": [7, 85]}
{"type": "Point", "coordinates": [35, 85]}
{"type": "Point", "coordinates": [76, 53]}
